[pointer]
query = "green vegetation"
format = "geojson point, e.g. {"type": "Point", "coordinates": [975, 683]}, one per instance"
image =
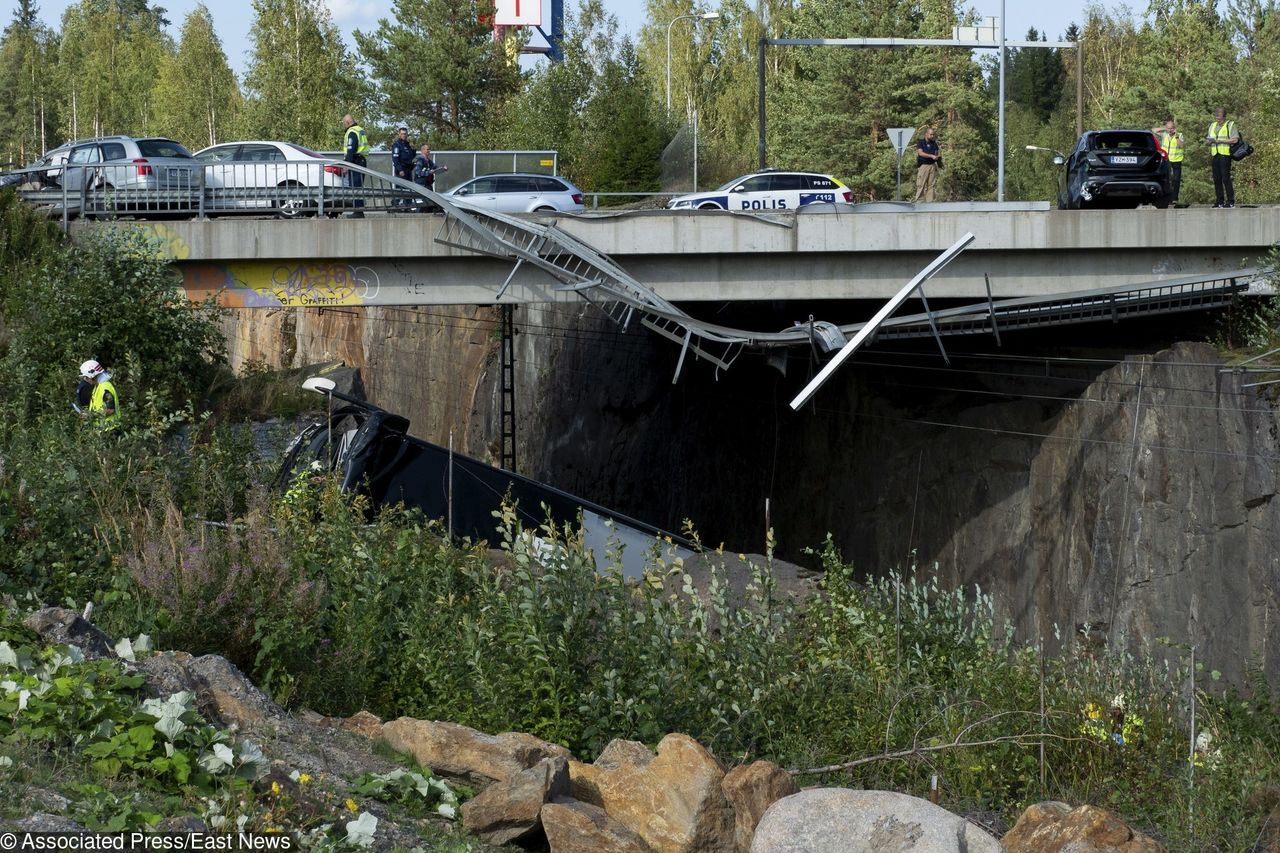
{"type": "Point", "coordinates": [878, 683]}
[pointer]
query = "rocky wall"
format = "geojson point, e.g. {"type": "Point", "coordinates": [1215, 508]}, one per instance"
{"type": "Point", "coordinates": [1131, 495]}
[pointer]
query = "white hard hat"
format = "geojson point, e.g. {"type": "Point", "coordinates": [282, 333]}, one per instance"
{"type": "Point", "coordinates": [90, 369]}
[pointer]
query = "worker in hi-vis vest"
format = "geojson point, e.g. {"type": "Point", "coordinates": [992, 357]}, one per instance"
{"type": "Point", "coordinates": [355, 144]}
{"type": "Point", "coordinates": [1176, 148]}
{"type": "Point", "coordinates": [1222, 135]}
{"type": "Point", "coordinates": [96, 395]}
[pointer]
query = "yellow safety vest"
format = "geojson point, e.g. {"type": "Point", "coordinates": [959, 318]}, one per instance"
{"type": "Point", "coordinates": [362, 139]}
{"type": "Point", "coordinates": [97, 404]}
{"type": "Point", "coordinates": [1172, 143]}
{"type": "Point", "coordinates": [1224, 131]}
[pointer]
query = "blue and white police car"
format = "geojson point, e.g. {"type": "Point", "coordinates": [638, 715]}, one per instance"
{"type": "Point", "coordinates": [767, 190]}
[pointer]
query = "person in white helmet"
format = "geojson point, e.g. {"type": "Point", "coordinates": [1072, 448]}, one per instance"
{"type": "Point", "coordinates": [96, 395]}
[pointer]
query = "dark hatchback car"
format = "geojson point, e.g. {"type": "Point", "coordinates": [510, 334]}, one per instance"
{"type": "Point", "coordinates": [1115, 168]}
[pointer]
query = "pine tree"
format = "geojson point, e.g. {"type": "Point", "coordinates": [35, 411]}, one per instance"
{"type": "Point", "coordinates": [198, 109]}
{"type": "Point", "coordinates": [436, 67]}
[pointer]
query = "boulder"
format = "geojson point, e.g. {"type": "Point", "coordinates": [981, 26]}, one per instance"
{"type": "Point", "coordinates": [751, 789]}
{"type": "Point", "coordinates": [465, 754]}
{"type": "Point", "coordinates": [222, 691]}
{"type": "Point", "coordinates": [1053, 827]}
{"type": "Point", "coordinates": [58, 626]}
{"type": "Point", "coordinates": [840, 820]}
{"type": "Point", "coordinates": [363, 723]}
{"type": "Point", "coordinates": [674, 802]}
{"type": "Point", "coordinates": [620, 752]}
{"type": "Point", "coordinates": [574, 827]}
{"type": "Point", "coordinates": [584, 783]}
{"type": "Point", "coordinates": [510, 811]}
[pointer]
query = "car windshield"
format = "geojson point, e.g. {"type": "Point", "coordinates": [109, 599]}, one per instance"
{"type": "Point", "coordinates": [1114, 139]}
{"type": "Point", "coordinates": [162, 148]}
{"type": "Point", "coordinates": [731, 184]}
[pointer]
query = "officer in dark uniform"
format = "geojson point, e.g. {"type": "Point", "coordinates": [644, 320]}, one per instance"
{"type": "Point", "coordinates": [424, 172]}
{"type": "Point", "coordinates": [402, 158]}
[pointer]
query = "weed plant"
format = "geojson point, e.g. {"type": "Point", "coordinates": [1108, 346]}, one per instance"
{"type": "Point", "coordinates": [875, 683]}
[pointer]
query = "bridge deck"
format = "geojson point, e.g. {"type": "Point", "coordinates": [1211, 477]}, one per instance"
{"type": "Point", "coordinates": [700, 256]}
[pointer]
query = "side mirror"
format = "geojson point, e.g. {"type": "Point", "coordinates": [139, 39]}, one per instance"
{"type": "Point", "coordinates": [740, 188]}
{"type": "Point", "coordinates": [1059, 160]}
{"type": "Point", "coordinates": [463, 191]}
{"type": "Point", "coordinates": [319, 384]}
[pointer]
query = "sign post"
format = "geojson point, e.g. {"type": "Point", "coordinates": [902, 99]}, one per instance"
{"type": "Point", "coordinates": [901, 138]}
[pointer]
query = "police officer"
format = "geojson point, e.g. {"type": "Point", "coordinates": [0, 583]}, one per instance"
{"type": "Point", "coordinates": [402, 157]}
{"type": "Point", "coordinates": [356, 145]}
{"type": "Point", "coordinates": [1222, 135]}
{"type": "Point", "coordinates": [96, 396]}
{"type": "Point", "coordinates": [424, 171]}
{"type": "Point", "coordinates": [1174, 146]}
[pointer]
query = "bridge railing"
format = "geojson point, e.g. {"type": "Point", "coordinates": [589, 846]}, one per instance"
{"type": "Point", "coordinates": [287, 189]}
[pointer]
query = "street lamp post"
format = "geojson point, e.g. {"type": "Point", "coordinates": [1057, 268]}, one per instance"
{"type": "Point", "coordinates": [703, 16]}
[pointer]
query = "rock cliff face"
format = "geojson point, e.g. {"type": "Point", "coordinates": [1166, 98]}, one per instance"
{"type": "Point", "coordinates": [1132, 494]}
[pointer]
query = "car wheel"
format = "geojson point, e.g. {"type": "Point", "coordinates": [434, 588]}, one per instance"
{"type": "Point", "coordinates": [289, 207]}
{"type": "Point", "coordinates": [710, 206]}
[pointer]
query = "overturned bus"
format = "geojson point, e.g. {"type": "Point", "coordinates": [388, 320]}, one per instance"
{"type": "Point", "coordinates": [371, 452]}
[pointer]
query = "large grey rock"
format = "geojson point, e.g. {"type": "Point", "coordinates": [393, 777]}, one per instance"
{"type": "Point", "coordinates": [222, 691]}
{"type": "Point", "coordinates": [510, 811]}
{"type": "Point", "coordinates": [41, 822]}
{"type": "Point", "coordinates": [840, 820]}
{"type": "Point", "coordinates": [59, 626]}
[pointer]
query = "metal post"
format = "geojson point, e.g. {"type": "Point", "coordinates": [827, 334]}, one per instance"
{"type": "Point", "coordinates": [760, 98]}
{"type": "Point", "coordinates": [200, 193]}
{"type": "Point", "coordinates": [1080, 87]}
{"type": "Point", "coordinates": [449, 501]}
{"type": "Point", "coordinates": [1000, 132]}
{"type": "Point", "coordinates": [695, 150]}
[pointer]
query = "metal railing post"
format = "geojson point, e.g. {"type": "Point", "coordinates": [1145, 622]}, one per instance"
{"type": "Point", "coordinates": [200, 185]}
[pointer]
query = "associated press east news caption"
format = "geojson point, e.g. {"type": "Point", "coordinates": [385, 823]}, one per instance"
{"type": "Point", "coordinates": [146, 841]}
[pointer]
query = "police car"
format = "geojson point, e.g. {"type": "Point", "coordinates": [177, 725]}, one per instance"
{"type": "Point", "coordinates": [767, 190]}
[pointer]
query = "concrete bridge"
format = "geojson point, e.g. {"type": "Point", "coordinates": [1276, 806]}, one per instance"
{"type": "Point", "coordinates": [837, 253]}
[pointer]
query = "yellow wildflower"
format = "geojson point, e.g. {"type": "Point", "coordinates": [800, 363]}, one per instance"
{"type": "Point", "coordinates": [351, 806]}
{"type": "Point", "coordinates": [275, 788]}
{"type": "Point", "coordinates": [304, 778]}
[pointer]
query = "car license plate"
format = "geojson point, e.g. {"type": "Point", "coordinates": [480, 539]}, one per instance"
{"type": "Point", "coordinates": [1124, 160]}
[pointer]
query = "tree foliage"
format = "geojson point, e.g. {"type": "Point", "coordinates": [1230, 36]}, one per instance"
{"type": "Point", "coordinates": [108, 64]}
{"type": "Point", "coordinates": [437, 68]}
{"type": "Point", "coordinates": [198, 109]}
{"type": "Point", "coordinates": [28, 103]}
{"type": "Point", "coordinates": [301, 78]}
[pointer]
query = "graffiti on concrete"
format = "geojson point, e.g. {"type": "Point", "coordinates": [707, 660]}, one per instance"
{"type": "Point", "coordinates": [296, 284]}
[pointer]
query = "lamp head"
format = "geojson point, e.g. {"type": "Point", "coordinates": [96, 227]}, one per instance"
{"type": "Point", "coordinates": [709, 16]}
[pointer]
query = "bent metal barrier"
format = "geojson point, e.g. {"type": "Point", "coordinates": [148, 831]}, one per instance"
{"type": "Point", "coordinates": [322, 187]}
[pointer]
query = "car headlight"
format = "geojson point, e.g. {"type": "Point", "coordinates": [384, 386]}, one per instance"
{"type": "Point", "coordinates": [684, 202]}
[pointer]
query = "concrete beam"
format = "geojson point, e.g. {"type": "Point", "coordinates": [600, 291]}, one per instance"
{"type": "Point", "coordinates": [705, 256]}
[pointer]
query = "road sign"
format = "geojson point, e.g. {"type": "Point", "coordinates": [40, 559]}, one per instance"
{"type": "Point", "coordinates": [900, 137]}
{"type": "Point", "coordinates": [518, 13]}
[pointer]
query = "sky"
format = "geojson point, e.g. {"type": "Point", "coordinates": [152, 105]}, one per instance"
{"type": "Point", "coordinates": [234, 17]}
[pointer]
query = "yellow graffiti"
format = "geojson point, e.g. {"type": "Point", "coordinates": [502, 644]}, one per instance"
{"type": "Point", "coordinates": [168, 244]}
{"type": "Point", "coordinates": [293, 284]}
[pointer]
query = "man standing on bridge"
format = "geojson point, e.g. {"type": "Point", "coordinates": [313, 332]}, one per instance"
{"type": "Point", "coordinates": [1174, 146]}
{"type": "Point", "coordinates": [355, 145]}
{"type": "Point", "coordinates": [1222, 135]}
{"type": "Point", "coordinates": [928, 161]}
